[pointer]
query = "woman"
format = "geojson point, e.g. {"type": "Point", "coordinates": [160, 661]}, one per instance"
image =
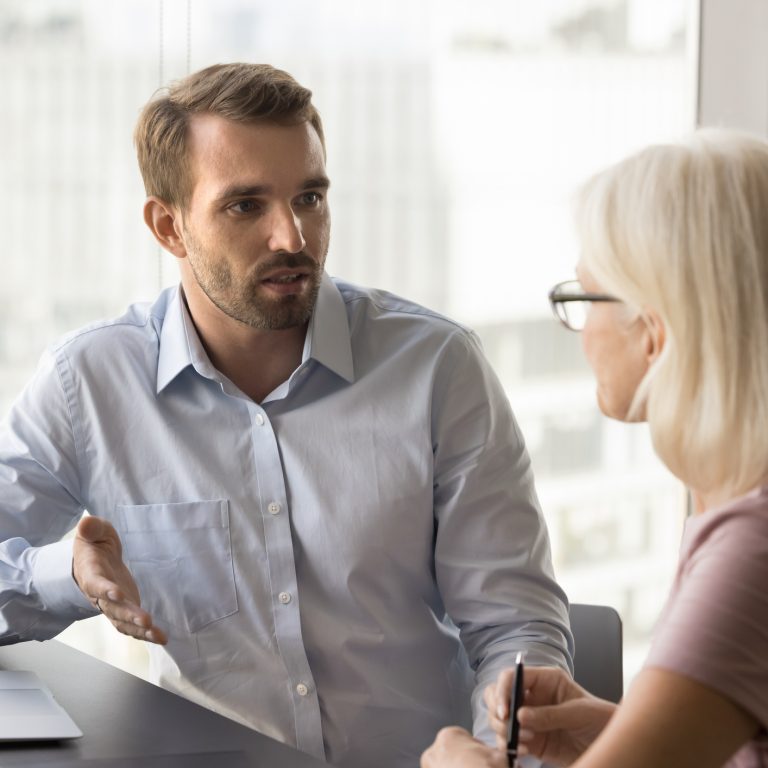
{"type": "Point", "coordinates": [674, 273]}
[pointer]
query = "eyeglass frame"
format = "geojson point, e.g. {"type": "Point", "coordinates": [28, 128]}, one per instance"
{"type": "Point", "coordinates": [564, 298]}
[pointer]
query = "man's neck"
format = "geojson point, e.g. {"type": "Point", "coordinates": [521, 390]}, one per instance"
{"type": "Point", "coordinates": [256, 361]}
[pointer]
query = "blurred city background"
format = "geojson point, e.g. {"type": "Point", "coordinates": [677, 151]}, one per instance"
{"type": "Point", "coordinates": [457, 134]}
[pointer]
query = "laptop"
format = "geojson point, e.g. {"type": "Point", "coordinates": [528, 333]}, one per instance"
{"type": "Point", "coordinates": [28, 711]}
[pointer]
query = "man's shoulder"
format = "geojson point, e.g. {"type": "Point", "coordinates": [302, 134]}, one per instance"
{"type": "Point", "coordinates": [377, 304]}
{"type": "Point", "coordinates": [140, 324]}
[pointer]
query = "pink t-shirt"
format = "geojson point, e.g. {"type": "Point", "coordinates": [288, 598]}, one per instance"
{"type": "Point", "coordinates": [714, 627]}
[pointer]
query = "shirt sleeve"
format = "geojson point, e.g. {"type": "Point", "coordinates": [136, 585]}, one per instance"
{"type": "Point", "coordinates": [39, 503]}
{"type": "Point", "coordinates": [715, 626]}
{"type": "Point", "coordinates": [492, 555]}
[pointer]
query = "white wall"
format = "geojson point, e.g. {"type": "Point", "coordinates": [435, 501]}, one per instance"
{"type": "Point", "coordinates": [733, 65]}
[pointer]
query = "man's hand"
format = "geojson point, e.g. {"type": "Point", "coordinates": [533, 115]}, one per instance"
{"type": "Point", "coordinates": [101, 574]}
{"type": "Point", "coordinates": [559, 720]}
{"type": "Point", "coordinates": [456, 748]}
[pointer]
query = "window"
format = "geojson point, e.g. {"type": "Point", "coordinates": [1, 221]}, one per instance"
{"type": "Point", "coordinates": [456, 133]}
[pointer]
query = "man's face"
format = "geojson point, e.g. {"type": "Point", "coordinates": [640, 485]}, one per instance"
{"type": "Point", "coordinates": [257, 227]}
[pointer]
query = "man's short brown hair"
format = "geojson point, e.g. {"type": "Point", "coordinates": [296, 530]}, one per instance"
{"type": "Point", "coordinates": [239, 92]}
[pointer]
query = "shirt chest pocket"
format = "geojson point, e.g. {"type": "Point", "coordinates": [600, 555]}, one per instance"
{"type": "Point", "coordinates": [181, 558]}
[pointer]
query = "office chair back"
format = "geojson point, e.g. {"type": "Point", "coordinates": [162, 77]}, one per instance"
{"type": "Point", "coordinates": [597, 660]}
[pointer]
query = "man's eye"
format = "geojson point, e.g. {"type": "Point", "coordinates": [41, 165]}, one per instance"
{"type": "Point", "coordinates": [311, 198]}
{"type": "Point", "coordinates": [243, 206]}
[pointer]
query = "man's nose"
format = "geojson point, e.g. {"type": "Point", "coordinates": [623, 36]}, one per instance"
{"type": "Point", "coordinates": [285, 231]}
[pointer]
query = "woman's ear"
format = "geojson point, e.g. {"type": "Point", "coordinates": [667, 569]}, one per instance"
{"type": "Point", "coordinates": [655, 335]}
{"type": "Point", "coordinates": [164, 221]}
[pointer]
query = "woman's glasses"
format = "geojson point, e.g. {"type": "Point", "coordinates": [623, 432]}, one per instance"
{"type": "Point", "coordinates": [570, 303]}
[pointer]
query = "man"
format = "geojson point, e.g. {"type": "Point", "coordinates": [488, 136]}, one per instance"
{"type": "Point", "coordinates": [293, 481]}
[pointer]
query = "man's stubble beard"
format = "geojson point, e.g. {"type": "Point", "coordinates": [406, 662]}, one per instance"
{"type": "Point", "coordinates": [247, 303]}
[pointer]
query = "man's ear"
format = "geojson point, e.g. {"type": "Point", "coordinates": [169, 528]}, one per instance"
{"type": "Point", "coordinates": [655, 336]}
{"type": "Point", "coordinates": [164, 221]}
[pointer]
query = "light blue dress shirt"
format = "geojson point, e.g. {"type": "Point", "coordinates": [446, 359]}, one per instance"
{"type": "Point", "coordinates": [301, 553]}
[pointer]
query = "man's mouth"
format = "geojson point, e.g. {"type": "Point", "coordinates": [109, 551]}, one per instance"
{"type": "Point", "coordinates": [286, 281]}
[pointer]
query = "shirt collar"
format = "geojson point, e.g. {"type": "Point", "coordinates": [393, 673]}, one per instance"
{"type": "Point", "coordinates": [175, 353]}
{"type": "Point", "coordinates": [328, 338]}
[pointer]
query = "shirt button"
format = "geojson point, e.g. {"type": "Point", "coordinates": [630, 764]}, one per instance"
{"type": "Point", "coordinates": [284, 597]}
{"type": "Point", "coordinates": [274, 508]}
{"type": "Point", "coordinates": [302, 689]}
{"type": "Point", "coordinates": [259, 419]}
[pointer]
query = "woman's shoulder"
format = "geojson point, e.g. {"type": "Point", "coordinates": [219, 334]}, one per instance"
{"type": "Point", "coordinates": [714, 627]}
{"type": "Point", "coordinates": [740, 522]}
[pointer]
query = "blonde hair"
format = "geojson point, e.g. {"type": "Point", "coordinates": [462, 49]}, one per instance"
{"type": "Point", "coordinates": [239, 91]}
{"type": "Point", "coordinates": [683, 230]}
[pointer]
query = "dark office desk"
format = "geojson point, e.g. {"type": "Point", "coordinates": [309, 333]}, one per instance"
{"type": "Point", "coordinates": [129, 722]}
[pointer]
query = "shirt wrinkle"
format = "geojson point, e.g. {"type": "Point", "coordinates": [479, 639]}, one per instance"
{"type": "Point", "coordinates": [76, 439]}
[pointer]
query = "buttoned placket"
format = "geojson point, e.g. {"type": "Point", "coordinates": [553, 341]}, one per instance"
{"type": "Point", "coordinates": [282, 573]}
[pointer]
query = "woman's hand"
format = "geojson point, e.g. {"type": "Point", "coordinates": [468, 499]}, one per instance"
{"type": "Point", "coordinates": [559, 719]}
{"type": "Point", "coordinates": [456, 748]}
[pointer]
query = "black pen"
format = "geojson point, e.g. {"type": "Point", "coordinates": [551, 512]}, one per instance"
{"type": "Point", "coordinates": [516, 701]}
